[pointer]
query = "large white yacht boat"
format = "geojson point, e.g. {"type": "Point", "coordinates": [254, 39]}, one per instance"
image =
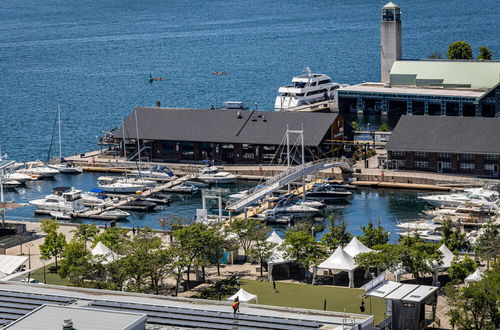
{"type": "Point", "coordinates": [158, 172]}
{"type": "Point", "coordinates": [39, 169]}
{"type": "Point", "coordinates": [212, 175]}
{"type": "Point", "coordinates": [474, 197]}
{"type": "Point", "coordinates": [306, 89]}
{"type": "Point", "coordinates": [61, 201]}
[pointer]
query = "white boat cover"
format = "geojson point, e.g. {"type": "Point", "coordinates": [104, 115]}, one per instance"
{"type": "Point", "coordinates": [355, 247]}
{"type": "Point", "coordinates": [447, 257]}
{"type": "Point", "coordinates": [474, 277]}
{"type": "Point", "coordinates": [9, 264]}
{"type": "Point", "coordinates": [243, 296]}
{"type": "Point", "coordinates": [339, 260]}
{"type": "Point", "coordinates": [274, 238]}
{"type": "Point", "coordinates": [102, 250]}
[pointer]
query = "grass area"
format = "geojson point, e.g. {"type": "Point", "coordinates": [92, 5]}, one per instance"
{"type": "Point", "coordinates": [51, 275]}
{"type": "Point", "coordinates": [313, 296]}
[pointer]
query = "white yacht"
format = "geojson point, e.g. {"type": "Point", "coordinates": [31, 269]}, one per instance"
{"type": "Point", "coordinates": [7, 183]}
{"type": "Point", "coordinates": [474, 197]}
{"type": "Point", "coordinates": [19, 177]}
{"type": "Point", "coordinates": [67, 167]}
{"type": "Point", "coordinates": [64, 201]}
{"type": "Point", "coordinates": [158, 172]}
{"type": "Point", "coordinates": [212, 175]}
{"type": "Point", "coordinates": [295, 210]}
{"type": "Point", "coordinates": [111, 184]}
{"type": "Point", "coordinates": [38, 168]}
{"type": "Point", "coordinates": [306, 89]}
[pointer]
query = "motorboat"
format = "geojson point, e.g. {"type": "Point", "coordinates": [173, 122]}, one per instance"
{"type": "Point", "coordinates": [69, 200]}
{"type": "Point", "coordinates": [97, 198]}
{"type": "Point", "coordinates": [472, 196]}
{"type": "Point", "coordinates": [183, 189]}
{"type": "Point", "coordinates": [417, 226]}
{"type": "Point", "coordinates": [197, 182]}
{"type": "Point", "coordinates": [137, 180]}
{"type": "Point", "coordinates": [324, 192]}
{"type": "Point", "coordinates": [111, 184]}
{"type": "Point", "coordinates": [212, 175]}
{"type": "Point", "coordinates": [312, 203]}
{"type": "Point", "coordinates": [306, 89]}
{"type": "Point", "coordinates": [19, 177]}
{"type": "Point", "coordinates": [10, 183]}
{"type": "Point", "coordinates": [61, 215]}
{"type": "Point", "coordinates": [118, 214]}
{"type": "Point", "coordinates": [39, 169]}
{"type": "Point", "coordinates": [294, 210]}
{"type": "Point", "coordinates": [67, 168]}
{"type": "Point", "coordinates": [157, 172]}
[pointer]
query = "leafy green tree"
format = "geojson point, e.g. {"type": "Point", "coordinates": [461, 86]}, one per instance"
{"type": "Point", "coordinates": [76, 264]}
{"type": "Point", "coordinates": [86, 232]}
{"type": "Point", "coordinates": [485, 54]}
{"type": "Point", "coordinates": [261, 250]}
{"type": "Point", "coordinates": [373, 236]}
{"type": "Point", "coordinates": [337, 234]}
{"type": "Point", "coordinates": [114, 238]}
{"type": "Point", "coordinates": [488, 245]}
{"type": "Point", "coordinates": [355, 125]}
{"type": "Point", "coordinates": [383, 257]}
{"type": "Point", "coordinates": [218, 242]}
{"type": "Point", "coordinates": [54, 243]}
{"type": "Point", "coordinates": [159, 265]}
{"type": "Point", "coordinates": [460, 269]}
{"type": "Point", "coordinates": [453, 238]}
{"type": "Point", "coordinates": [418, 257]}
{"type": "Point", "coordinates": [384, 128]}
{"type": "Point", "coordinates": [302, 248]}
{"type": "Point", "coordinates": [246, 231]}
{"type": "Point", "coordinates": [476, 307]}
{"type": "Point", "coordinates": [459, 50]}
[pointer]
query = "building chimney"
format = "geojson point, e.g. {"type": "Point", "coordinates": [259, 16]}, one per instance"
{"type": "Point", "coordinates": [390, 39]}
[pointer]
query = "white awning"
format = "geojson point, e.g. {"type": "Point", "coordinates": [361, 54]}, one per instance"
{"type": "Point", "coordinates": [355, 247]}
{"type": "Point", "coordinates": [243, 296]}
{"type": "Point", "coordinates": [274, 238]}
{"type": "Point", "coordinates": [9, 264]}
{"type": "Point", "coordinates": [339, 260]}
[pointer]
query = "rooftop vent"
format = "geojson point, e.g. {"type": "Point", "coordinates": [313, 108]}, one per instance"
{"type": "Point", "coordinates": [238, 115]}
{"type": "Point", "coordinates": [68, 324]}
{"type": "Point", "coordinates": [264, 118]}
{"type": "Point", "coordinates": [254, 119]}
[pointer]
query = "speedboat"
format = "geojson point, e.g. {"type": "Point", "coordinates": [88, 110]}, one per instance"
{"type": "Point", "coordinates": [183, 188]}
{"type": "Point", "coordinates": [294, 210]}
{"type": "Point", "coordinates": [67, 168]}
{"type": "Point", "coordinates": [306, 89]}
{"type": "Point", "coordinates": [472, 196]}
{"type": "Point", "coordinates": [69, 200]}
{"type": "Point", "coordinates": [97, 198]}
{"type": "Point", "coordinates": [158, 172]}
{"type": "Point", "coordinates": [139, 180]}
{"type": "Point", "coordinates": [111, 184]}
{"type": "Point", "coordinates": [39, 169]}
{"type": "Point", "coordinates": [197, 182]}
{"type": "Point", "coordinates": [324, 192]}
{"type": "Point", "coordinates": [417, 226]}
{"type": "Point", "coordinates": [19, 177]}
{"type": "Point", "coordinates": [212, 175]}
{"type": "Point", "coordinates": [119, 214]}
{"type": "Point", "coordinates": [10, 183]}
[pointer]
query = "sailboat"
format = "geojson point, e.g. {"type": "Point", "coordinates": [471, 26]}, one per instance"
{"type": "Point", "coordinates": [64, 166]}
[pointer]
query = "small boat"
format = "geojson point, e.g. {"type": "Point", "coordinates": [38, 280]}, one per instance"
{"type": "Point", "coordinates": [138, 205]}
{"type": "Point", "coordinates": [19, 177]}
{"type": "Point", "coordinates": [151, 78]}
{"type": "Point", "coordinates": [183, 189]}
{"type": "Point", "coordinates": [213, 175]}
{"type": "Point", "coordinates": [39, 169]}
{"type": "Point", "coordinates": [61, 215]}
{"type": "Point", "coordinates": [324, 192]}
{"type": "Point", "coordinates": [219, 72]}
{"type": "Point", "coordinates": [67, 168]}
{"type": "Point", "coordinates": [157, 200]}
{"type": "Point", "coordinates": [62, 200]}
{"type": "Point", "coordinates": [197, 182]}
{"type": "Point", "coordinates": [417, 226]}
{"type": "Point", "coordinates": [111, 184]}
{"type": "Point", "coordinates": [11, 183]}
{"type": "Point", "coordinates": [119, 214]}
{"type": "Point", "coordinates": [157, 172]}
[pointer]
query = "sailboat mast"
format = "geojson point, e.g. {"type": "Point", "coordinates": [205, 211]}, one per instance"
{"type": "Point", "coordinates": [137, 131]}
{"type": "Point", "coordinates": [124, 143]}
{"type": "Point", "coordinates": [60, 137]}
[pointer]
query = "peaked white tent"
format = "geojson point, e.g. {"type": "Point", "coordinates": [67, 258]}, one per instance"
{"type": "Point", "coordinates": [474, 277]}
{"type": "Point", "coordinates": [9, 264]}
{"type": "Point", "coordinates": [277, 258]}
{"type": "Point", "coordinates": [339, 260]}
{"type": "Point", "coordinates": [243, 296]}
{"type": "Point", "coordinates": [355, 247]}
{"type": "Point", "coordinates": [274, 238]}
{"type": "Point", "coordinates": [102, 250]}
{"type": "Point", "coordinates": [447, 257]}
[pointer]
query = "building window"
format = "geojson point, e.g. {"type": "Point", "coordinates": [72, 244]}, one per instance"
{"type": "Point", "coordinates": [443, 155]}
{"type": "Point", "coordinates": [491, 168]}
{"type": "Point", "coordinates": [467, 166]}
{"type": "Point", "coordinates": [446, 165]}
{"type": "Point", "coordinates": [248, 155]}
{"type": "Point", "coordinates": [228, 146]}
{"type": "Point", "coordinates": [398, 154]}
{"type": "Point", "coordinates": [491, 157]}
{"type": "Point", "coordinates": [169, 147]}
{"type": "Point", "coordinates": [420, 154]}
{"type": "Point", "coordinates": [269, 148]}
{"type": "Point", "coordinates": [421, 164]}
{"type": "Point", "coordinates": [467, 156]}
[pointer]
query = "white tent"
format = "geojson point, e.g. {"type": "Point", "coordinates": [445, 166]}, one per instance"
{"type": "Point", "coordinates": [9, 264]}
{"type": "Point", "coordinates": [339, 260]}
{"type": "Point", "coordinates": [277, 258]}
{"type": "Point", "coordinates": [274, 238]}
{"type": "Point", "coordinates": [474, 277]}
{"type": "Point", "coordinates": [447, 257]}
{"type": "Point", "coordinates": [243, 296]}
{"type": "Point", "coordinates": [355, 247]}
{"type": "Point", "coordinates": [102, 250]}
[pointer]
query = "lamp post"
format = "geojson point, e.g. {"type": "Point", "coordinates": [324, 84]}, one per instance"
{"type": "Point", "coordinates": [29, 245]}
{"type": "Point", "coordinates": [312, 231]}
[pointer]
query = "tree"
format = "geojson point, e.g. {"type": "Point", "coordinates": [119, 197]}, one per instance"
{"type": "Point", "coordinates": [453, 238]}
{"type": "Point", "coordinates": [460, 269]}
{"type": "Point", "coordinates": [246, 230]}
{"type": "Point", "coordinates": [488, 245]}
{"type": "Point", "coordinates": [114, 238]}
{"type": "Point", "coordinates": [76, 264]}
{"type": "Point", "coordinates": [217, 244]}
{"type": "Point", "coordinates": [475, 307]}
{"type": "Point", "coordinates": [86, 232]}
{"type": "Point", "coordinates": [337, 234]}
{"type": "Point", "coordinates": [384, 128]}
{"type": "Point", "coordinates": [434, 56]}
{"type": "Point", "coordinates": [485, 53]}
{"type": "Point", "coordinates": [459, 50]}
{"type": "Point", "coordinates": [372, 236]}
{"type": "Point", "coordinates": [159, 265]}
{"type": "Point", "coordinates": [418, 257]}
{"type": "Point", "coordinates": [54, 243]}
{"type": "Point", "coordinates": [302, 248]}
{"type": "Point", "coordinates": [261, 250]}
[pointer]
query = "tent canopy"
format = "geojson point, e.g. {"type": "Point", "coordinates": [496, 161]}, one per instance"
{"type": "Point", "coordinates": [339, 260]}
{"type": "Point", "coordinates": [274, 238]}
{"type": "Point", "coordinates": [243, 296]}
{"type": "Point", "coordinates": [447, 257]}
{"type": "Point", "coordinates": [102, 250]}
{"type": "Point", "coordinates": [474, 277]}
{"type": "Point", "coordinates": [355, 247]}
{"type": "Point", "coordinates": [9, 264]}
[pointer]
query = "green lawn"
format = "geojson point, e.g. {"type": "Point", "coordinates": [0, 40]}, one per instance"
{"type": "Point", "coordinates": [51, 275]}
{"type": "Point", "coordinates": [313, 296]}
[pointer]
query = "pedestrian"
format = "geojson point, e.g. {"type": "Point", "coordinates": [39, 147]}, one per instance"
{"type": "Point", "coordinates": [133, 231]}
{"type": "Point", "coordinates": [274, 287]}
{"type": "Point", "coordinates": [362, 306]}
{"type": "Point", "coordinates": [236, 305]}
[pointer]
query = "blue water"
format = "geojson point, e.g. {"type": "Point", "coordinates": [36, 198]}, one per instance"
{"type": "Point", "coordinates": [93, 57]}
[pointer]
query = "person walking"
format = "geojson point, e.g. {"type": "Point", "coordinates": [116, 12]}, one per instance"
{"type": "Point", "coordinates": [236, 305]}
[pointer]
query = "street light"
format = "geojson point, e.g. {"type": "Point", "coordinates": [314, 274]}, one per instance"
{"type": "Point", "coordinates": [312, 231]}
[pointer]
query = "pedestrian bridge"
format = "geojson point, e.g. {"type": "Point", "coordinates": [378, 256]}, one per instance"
{"type": "Point", "coordinates": [284, 178]}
